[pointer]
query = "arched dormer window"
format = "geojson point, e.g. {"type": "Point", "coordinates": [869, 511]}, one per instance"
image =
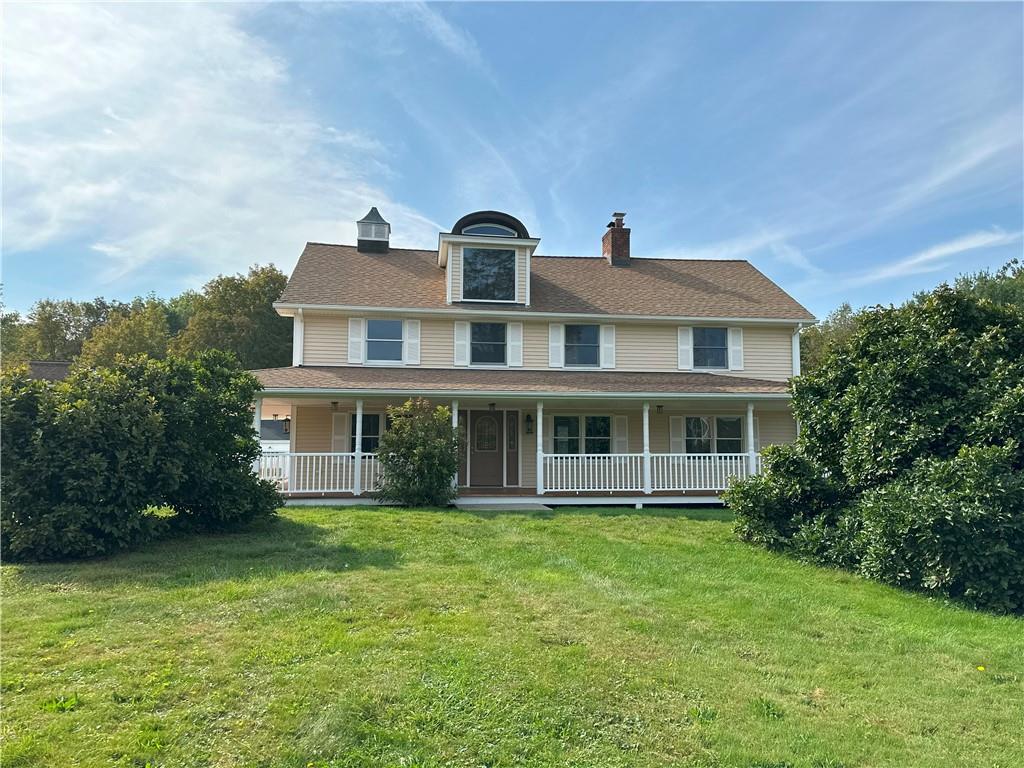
{"type": "Point", "coordinates": [490, 230]}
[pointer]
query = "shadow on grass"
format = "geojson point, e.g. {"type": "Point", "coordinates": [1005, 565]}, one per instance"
{"type": "Point", "coordinates": [714, 514]}
{"type": "Point", "coordinates": [275, 546]}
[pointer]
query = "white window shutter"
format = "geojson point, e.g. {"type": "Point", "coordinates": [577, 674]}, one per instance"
{"type": "Point", "coordinates": [411, 343]}
{"type": "Point", "coordinates": [461, 342]}
{"type": "Point", "coordinates": [341, 428]}
{"type": "Point", "coordinates": [675, 433]}
{"type": "Point", "coordinates": [356, 339]}
{"type": "Point", "coordinates": [620, 434]}
{"type": "Point", "coordinates": [685, 339]}
{"type": "Point", "coordinates": [607, 346]}
{"type": "Point", "coordinates": [735, 349]}
{"type": "Point", "coordinates": [757, 435]}
{"type": "Point", "coordinates": [549, 434]}
{"type": "Point", "coordinates": [515, 345]}
{"type": "Point", "coordinates": [556, 345]}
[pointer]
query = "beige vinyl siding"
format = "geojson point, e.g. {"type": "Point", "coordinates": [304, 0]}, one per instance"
{"type": "Point", "coordinates": [522, 274]}
{"type": "Point", "coordinates": [775, 428]}
{"type": "Point", "coordinates": [535, 345]}
{"type": "Point", "coordinates": [437, 343]}
{"type": "Point", "coordinates": [767, 353]}
{"type": "Point", "coordinates": [646, 347]}
{"type": "Point", "coordinates": [455, 270]}
{"type": "Point", "coordinates": [312, 427]}
{"type": "Point", "coordinates": [325, 339]}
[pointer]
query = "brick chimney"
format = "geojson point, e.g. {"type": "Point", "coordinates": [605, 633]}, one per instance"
{"type": "Point", "coordinates": [615, 243]}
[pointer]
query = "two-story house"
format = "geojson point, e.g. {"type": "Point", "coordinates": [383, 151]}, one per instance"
{"type": "Point", "coordinates": [571, 379]}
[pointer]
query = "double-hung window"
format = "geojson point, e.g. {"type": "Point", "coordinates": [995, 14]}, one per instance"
{"type": "Point", "coordinates": [591, 433]}
{"type": "Point", "coordinates": [714, 434]}
{"type": "Point", "coordinates": [384, 340]}
{"type": "Point", "coordinates": [711, 347]}
{"type": "Point", "coordinates": [583, 346]}
{"type": "Point", "coordinates": [371, 432]}
{"type": "Point", "coordinates": [487, 343]}
{"type": "Point", "coordinates": [489, 274]}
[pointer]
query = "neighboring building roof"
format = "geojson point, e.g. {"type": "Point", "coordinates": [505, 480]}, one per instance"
{"type": "Point", "coordinates": [340, 275]}
{"type": "Point", "coordinates": [49, 370]}
{"type": "Point", "coordinates": [510, 382]}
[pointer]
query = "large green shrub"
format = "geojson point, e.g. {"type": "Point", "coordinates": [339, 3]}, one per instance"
{"type": "Point", "coordinates": [895, 412]}
{"type": "Point", "coordinates": [419, 455]}
{"type": "Point", "coordinates": [952, 526]}
{"type": "Point", "coordinates": [84, 458]}
{"type": "Point", "coordinates": [80, 460]}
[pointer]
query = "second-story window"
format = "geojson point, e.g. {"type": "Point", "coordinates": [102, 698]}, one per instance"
{"type": "Point", "coordinates": [384, 340]}
{"type": "Point", "coordinates": [583, 345]}
{"type": "Point", "coordinates": [489, 274]}
{"type": "Point", "coordinates": [710, 348]}
{"type": "Point", "coordinates": [487, 343]}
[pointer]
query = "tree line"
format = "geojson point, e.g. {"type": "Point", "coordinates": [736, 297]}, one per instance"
{"type": "Point", "coordinates": [232, 313]}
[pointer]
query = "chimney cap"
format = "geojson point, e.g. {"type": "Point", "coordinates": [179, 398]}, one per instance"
{"type": "Point", "coordinates": [616, 221]}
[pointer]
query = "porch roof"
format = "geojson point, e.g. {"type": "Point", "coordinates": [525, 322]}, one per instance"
{"type": "Point", "coordinates": [470, 381]}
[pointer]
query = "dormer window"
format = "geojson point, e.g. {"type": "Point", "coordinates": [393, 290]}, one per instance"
{"type": "Point", "coordinates": [489, 274]}
{"type": "Point", "coordinates": [490, 230]}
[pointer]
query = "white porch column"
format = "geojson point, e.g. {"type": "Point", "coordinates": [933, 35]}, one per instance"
{"type": "Point", "coordinates": [257, 412]}
{"type": "Point", "coordinates": [455, 426]}
{"type": "Point", "coordinates": [647, 447]}
{"type": "Point", "coordinates": [751, 448]}
{"type": "Point", "coordinates": [357, 481]}
{"type": "Point", "coordinates": [540, 448]}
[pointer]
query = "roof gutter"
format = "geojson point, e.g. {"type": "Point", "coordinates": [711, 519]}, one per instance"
{"type": "Point", "coordinates": [519, 394]}
{"type": "Point", "coordinates": [287, 309]}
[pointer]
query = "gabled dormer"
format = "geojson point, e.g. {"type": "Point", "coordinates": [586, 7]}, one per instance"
{"type": "Point", "coordinates": [486, 257]}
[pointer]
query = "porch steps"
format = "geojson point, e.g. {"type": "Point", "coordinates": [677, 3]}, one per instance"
{"type": "Point", "coordinates": [509, 506]}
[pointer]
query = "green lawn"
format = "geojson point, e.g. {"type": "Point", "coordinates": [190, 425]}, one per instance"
{"type": "Point", "coordinates": [583, 638]}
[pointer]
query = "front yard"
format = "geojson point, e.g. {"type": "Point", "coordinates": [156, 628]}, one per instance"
{"type": "Point", "coordinates": [586, 638]}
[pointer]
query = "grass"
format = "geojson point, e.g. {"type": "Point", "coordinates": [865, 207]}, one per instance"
{"type": "Point", "coordinates": [417, 638]}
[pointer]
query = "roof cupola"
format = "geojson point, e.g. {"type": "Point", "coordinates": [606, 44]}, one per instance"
{"type": "Point", "coordinates": [373, 233]}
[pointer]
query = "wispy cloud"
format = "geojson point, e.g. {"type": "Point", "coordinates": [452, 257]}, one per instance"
{"type": "Point", "coordinates": [937, 257]}
{"type": "Point", "coordinates": [168, 135]}
{"type": "Point", "coordinates": [455, 40]}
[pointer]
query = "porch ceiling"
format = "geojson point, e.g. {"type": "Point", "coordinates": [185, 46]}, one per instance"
{"type": "Point", "coordinates": [340, 380]}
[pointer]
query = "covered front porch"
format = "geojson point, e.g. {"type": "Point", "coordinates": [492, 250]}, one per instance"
{"type": "Point", "coordinates": [558, 450]}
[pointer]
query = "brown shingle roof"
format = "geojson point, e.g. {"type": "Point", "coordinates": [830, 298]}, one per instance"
{"type": "Point", "coordinates": [341, 275]}
{"type": "Point", "coordinates": [510, 382]}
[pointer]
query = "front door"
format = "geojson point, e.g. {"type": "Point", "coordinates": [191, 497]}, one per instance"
{"type": "Point", "coordinates": [486, 454]}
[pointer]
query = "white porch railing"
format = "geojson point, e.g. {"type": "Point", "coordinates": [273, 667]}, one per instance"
{"type": "Point", "coordinates": [698, 472]}
{"type": "Point", "coordinates": [319, 472]}
{"type": "Point", "coordinates": [594, 472]}
{"type": "Point", "coordinates": [625, 471]}
{"type": "Point", "coordinates": [336, 472]}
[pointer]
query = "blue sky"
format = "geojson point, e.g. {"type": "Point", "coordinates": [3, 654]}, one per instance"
{"type": "Point", "coordinates": [853, 152]}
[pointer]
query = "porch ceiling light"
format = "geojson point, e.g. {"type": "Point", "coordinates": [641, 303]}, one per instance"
{"type": "Point", "coordinates": [659, 408]}
{"type": "Point", "coordinates": [492, 406]}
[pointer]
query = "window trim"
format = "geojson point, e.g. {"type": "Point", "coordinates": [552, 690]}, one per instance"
{"type": "Point", "coordinates": [350, 438]}
{"type": "Point", "coordinates": [366, 343]}
{"type": "Point", "coordinates": [565, 347]}
{"type": "Point", "coordinates": [462, 274]}
{"type": "Point", "coordinates": [581, 421]}
{"type": "Point", "coordinates": [693, 348]}
{"type": "Point", "coordinates": [470, 363]}
{"type": "Point", "coordinates": [713, 437]}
